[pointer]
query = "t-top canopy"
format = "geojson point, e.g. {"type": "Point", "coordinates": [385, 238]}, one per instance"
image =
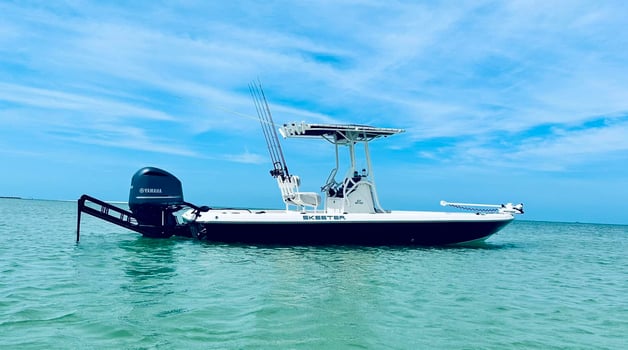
{"type": "Point", "coordinates": [337, 133]}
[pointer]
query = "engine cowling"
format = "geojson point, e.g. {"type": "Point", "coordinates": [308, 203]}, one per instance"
{"type": "Point", "coordinates": [154, 196]}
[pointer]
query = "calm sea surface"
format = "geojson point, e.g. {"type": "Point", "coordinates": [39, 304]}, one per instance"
{"type": "Point", "coordinates": [535, 285]}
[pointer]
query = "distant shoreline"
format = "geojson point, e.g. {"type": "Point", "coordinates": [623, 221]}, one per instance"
{"type": "Point", "coordinates": [519, 219]}
{"type": "Point", "coordinates": [56, 200]}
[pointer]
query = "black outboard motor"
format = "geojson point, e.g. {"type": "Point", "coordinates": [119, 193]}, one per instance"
{"type": "Point", "coordinates": [154, 197]}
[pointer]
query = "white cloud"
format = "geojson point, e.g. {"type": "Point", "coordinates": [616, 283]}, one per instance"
{"type": "Point", "coordinates": [172, 78]}
{"type": "Point", "coordinates": [247, 158]}
{"type": "Point", "coordinates": [90, 105]}
{"type": "Point", "coordinates": [575, 147]}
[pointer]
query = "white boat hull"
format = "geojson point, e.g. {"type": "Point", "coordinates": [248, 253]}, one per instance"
{"type": "Point", "coordinates": [278, 227]}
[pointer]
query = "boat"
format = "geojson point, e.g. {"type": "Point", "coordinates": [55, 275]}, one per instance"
{"type": "Point", "coordinates": [346, 210]}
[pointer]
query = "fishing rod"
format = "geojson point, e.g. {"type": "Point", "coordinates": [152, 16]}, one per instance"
{"type": "Point", "coordinates": [280, 168]}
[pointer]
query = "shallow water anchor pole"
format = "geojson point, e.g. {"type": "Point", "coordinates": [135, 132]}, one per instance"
{"type": "Point", "coordinates": [110, 213]}
{"type": "Point", "coordinates": [78, 224]}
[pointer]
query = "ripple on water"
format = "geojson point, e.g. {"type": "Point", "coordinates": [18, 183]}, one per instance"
{"type": "Point", "coordinates": [534, 285]}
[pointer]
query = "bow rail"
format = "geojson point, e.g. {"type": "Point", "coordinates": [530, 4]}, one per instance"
{"type": "Point", "coordinates": [500, 208]}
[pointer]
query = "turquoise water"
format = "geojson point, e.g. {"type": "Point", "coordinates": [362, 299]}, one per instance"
{"type": "Point", "coordinates": [535, 285]}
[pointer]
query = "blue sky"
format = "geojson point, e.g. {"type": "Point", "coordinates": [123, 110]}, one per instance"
{"type": "Point", "coordinates": [502, 101]}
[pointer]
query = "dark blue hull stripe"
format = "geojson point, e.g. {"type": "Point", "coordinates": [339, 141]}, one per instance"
{"type": "Point", "coordinates": [349, 233]}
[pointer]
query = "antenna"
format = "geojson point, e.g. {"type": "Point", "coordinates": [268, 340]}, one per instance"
{"type": "Point", "coordinates": [270, 131]}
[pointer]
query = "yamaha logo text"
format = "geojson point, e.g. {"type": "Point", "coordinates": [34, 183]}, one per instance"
{"type": "Point", "coordinates": [150, 190]}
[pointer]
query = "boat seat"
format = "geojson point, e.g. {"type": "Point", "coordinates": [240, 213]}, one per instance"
{"type": "Point", "coordinates": [306, 199]}
{"type": "Point", "coordinates": [290, 193]}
